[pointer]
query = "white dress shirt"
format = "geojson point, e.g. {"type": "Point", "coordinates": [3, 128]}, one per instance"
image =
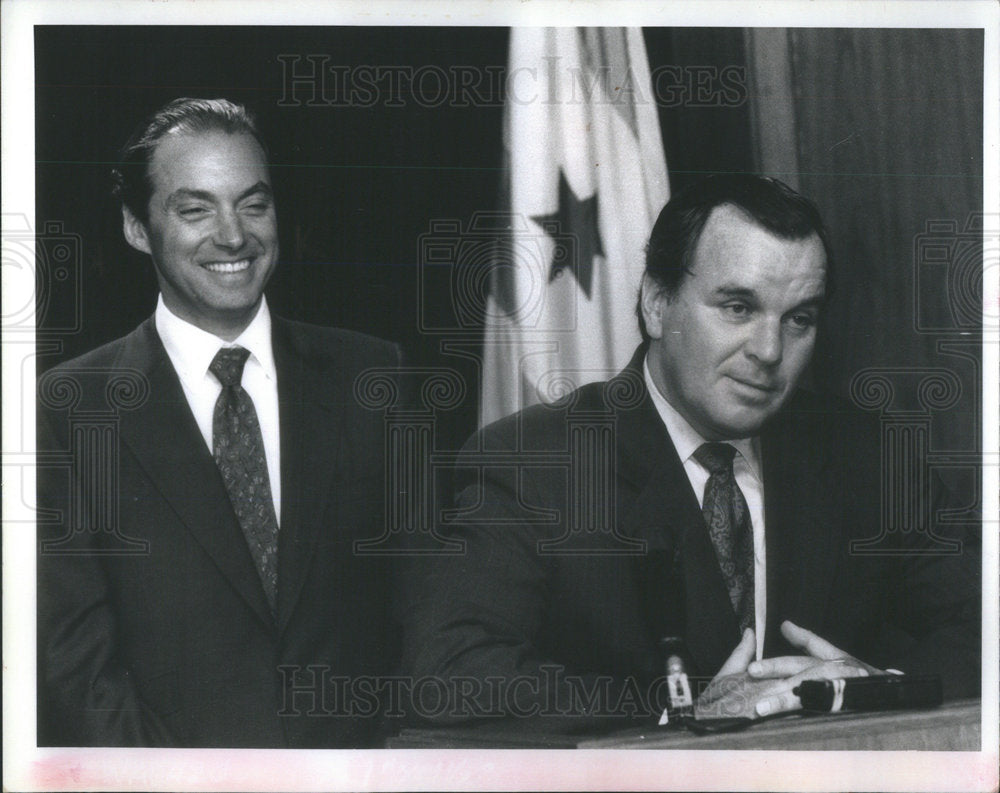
{"type": "Point", "coordinates": [192, 349]}
{"type": "Point", "coordinates": [746, 467]}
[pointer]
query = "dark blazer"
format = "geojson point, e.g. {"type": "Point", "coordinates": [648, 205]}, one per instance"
{"type": "Point", "coordinates": [530, 594]}
{"type": "Point", "coordinates": [160, 634]}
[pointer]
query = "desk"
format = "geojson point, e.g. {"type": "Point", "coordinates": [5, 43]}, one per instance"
{"type": "Point", "coordinates": [956, 726]}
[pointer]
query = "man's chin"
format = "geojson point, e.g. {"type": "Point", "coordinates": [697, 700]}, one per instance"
{"type": "Point", "coordinates": [741, 423]}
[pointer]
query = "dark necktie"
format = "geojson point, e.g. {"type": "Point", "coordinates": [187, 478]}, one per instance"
{"type": "Point", "coordinates": [238, 447]}
{"type": "Point", "coordinates": [728, 520]}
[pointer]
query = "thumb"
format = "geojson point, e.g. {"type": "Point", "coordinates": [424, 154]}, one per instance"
{"type": "Point", "coordinates": [744, 653]}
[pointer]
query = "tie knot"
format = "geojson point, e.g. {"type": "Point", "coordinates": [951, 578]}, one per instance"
{"type": "Point", "coordinates": [716, 457]}
{"type": "Point", "coordinates": [227, 365]}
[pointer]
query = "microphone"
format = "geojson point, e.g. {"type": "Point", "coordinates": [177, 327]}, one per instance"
{"type": "Point", "coordinates": [877, 692]}
{"type": "Point", "coordinates": [680, 705]}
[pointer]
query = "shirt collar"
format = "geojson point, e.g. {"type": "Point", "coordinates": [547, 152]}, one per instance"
{"type": "Point", "coordinates": [192, 349]}
{"type": "Point", "coordinates": [686, 438]}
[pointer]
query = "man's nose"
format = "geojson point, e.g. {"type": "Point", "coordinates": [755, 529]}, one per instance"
{"type": "Point", "coordinates": [765, 343]}
{"type": "Point", "coordinates": [229, 231]}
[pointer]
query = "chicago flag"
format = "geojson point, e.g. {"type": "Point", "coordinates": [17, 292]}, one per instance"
{"type": "Point", "coordinates": [587, 178]}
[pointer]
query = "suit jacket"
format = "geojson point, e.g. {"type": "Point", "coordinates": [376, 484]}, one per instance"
{"type": "Point", "coordinates": [153, 627]}
{"type": "Point", "coordinates": [540, 586]}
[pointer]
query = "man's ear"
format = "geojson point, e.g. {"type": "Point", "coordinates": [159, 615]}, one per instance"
{"type": "Point", "coordinates": [652, 300]}
{"type": "Point", "coordinates": [135, 231]}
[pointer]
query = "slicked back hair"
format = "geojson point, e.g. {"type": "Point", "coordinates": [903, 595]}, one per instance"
{"type": "Point", "coordinates": [769, 203]}
{"type": "Point", "coordinates": [132, 183]}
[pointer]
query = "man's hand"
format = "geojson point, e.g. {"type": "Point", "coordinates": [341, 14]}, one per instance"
{"type": "Point", "coordinates": [822, 661]}
{"type": "Point", "coordinates": [732, 693]}
{"type": "Point", "coordinates": [745, 688]}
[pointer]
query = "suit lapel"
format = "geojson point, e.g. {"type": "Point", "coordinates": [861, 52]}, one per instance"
{"type": "Point", "coordinates": [683, 588]}
{"type": "Point", "coordinates": [800, 538]}
{"type": "Point", "coordinates": [311, 445]}
{"type": "Point", "coordinates": [683, 591]}
{"type": "Point", "coordinates": [166, 441]}
{"type": "Point", "coordinates": [650, 513]}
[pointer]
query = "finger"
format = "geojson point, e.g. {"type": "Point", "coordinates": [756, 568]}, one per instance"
{"type": "Point", "coordinates": [782, 702]}
{"type": "Point", "coordinates": [808, 641]}
{"type": "Point", "coordinates": [831, 670]}
{"type": "Point", "coordinates": [806, 667]}
{"type": "Point", "coordinates": [780, 698]}
{"type": "Point", "coordinates": [782, 666]}
{"type": "Point", "coordinates": [744, 653]}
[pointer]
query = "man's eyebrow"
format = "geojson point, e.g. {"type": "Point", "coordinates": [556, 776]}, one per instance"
{"type": "Point", "coordinates": [815, 301]}
{"type": "Point", "coordinates": [728, 292]}
{"type": "Point", "coordinates": [184, 193]}
{"type": "Point", "coordinates": [204, 195]}
{"type": "Point", "coordinates": [260, 187]}
{"type": "Point", "coordinates": [734, 291]}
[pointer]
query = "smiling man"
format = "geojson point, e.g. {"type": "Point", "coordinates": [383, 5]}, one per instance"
{"type": "Point", "coordinates": [210, 228]}
{"type": "Point", "coordinates": [701, 495]}
{"type": "Point", "coordinates": [206, 599]}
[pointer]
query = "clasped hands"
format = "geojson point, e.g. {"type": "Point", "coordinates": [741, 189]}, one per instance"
{"type": "Point", "coordinates": [745, 688]}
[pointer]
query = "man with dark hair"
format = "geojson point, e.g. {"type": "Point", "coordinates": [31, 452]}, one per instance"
{"type": "Point", "coordinates": [706, 498]}
{"type": "Point", "coordinates": [199, 583]}
{"type": "Point", "coordinates": [770, 203]}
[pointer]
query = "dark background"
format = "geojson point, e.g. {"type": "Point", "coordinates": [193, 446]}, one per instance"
{"type": "Point", "coordinates": [888, 128]}
{"type": "Point", "coordinates": [356, 186]}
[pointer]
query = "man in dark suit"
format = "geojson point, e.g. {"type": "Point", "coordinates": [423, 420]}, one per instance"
{"type": "Point", "coordinates": [199, 582]}
{"type": "Point", "coordinates": [699, 495]}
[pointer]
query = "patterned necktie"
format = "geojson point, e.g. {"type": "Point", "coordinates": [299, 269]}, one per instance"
{"type": "Point", "coordinates": [728, 520]}
{"type": "Point", "coordinates": [238, 447]}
